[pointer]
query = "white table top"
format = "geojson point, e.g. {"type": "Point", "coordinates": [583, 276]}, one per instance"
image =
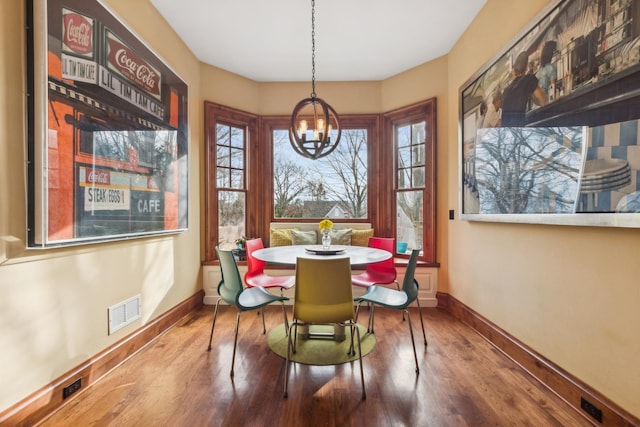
{"type": "Point", "coordinates": [287, 255]}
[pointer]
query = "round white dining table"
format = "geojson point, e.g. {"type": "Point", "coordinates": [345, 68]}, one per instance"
{"type": "Point", "coordinates": [287, 255]}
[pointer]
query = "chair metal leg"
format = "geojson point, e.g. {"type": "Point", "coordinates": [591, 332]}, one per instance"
{"type": "Point", "coordinates": [352, 351]}
{"type": "Point", "coordinates": [364, 394]}
{"type": "Point", "coordinates": [294, 333]}
{"type": "Point", "coordinates": [398, 286]}
{"type": "Point", "coordinates": [264, 325]}
{"type": "Point", "coordinates": [413, 342]}
{"type": "Point", "coordinates": [372, 314]}
{"type": "Point", "coordinates": [421, 322]}
{"type": "Point", "coordinates": [213, 325]}
{"type": "Point", "coordinates": [286, 321]}
{"type": "Point", "coordinates": [235, 343]}
{"type": "Point", "coordinates": [295, 336]}
{"type": "Point", "coordinates": [351, 348]}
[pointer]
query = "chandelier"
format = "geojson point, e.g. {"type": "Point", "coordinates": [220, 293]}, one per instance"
{"type": "Point", "coordinates": [313, 120]}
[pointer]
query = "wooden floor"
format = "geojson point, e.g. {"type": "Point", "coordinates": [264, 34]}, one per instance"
{"type": "Point", "coordinates": [174, 381]}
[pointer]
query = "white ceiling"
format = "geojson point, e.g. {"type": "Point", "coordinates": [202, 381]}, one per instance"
{"type": "Point", "coordinates": [270, 41]}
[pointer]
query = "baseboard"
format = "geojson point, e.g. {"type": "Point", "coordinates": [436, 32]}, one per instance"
{"type": "Point", "coordinates": [565, 385]}
{"type": "Point", "coordinates": [49, 398]}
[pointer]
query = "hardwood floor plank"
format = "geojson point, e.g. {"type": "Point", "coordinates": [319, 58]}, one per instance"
{"type": "Point", "coordinates": [463, 381]}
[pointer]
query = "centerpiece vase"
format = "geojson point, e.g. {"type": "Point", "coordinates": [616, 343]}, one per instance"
{"type": "Point", "coordinates": [326, 240]}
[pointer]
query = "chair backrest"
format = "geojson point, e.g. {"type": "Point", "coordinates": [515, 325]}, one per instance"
{"type": "Point", "coordinates": [230, 286]}
{"type": "Point", "coordinates": [409, 284]}
{"type": "Point", "coordinates": [323, 291]}
{"type": "Point", "coordinates": [254, 265]}
{"type": "Point", "coordinates": [384, 268]}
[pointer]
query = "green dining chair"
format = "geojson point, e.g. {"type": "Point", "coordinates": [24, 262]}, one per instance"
{"type": "Point", "coordinates": [232, 291]}
{"type": "Point", "coordinates": [397, 299]}
{"type": "Point", "coordinates": [323, 295]}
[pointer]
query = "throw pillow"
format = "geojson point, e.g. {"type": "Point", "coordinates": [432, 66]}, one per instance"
{"type": "Point", "coordinates": [341, 236]}
{"type": "Point", "coordinates": [361, 237]}
{"type": "Point", "coordinates": [280, 237]}
{"type": "Point", "coordinates": [304, 237]}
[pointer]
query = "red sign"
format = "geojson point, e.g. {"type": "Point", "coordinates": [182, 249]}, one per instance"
{"type": "Point", "coordinates": [77, 33]}
{"type": "Point", "coordinates": [96, 176]}
{"type": "Point", "coordinates": [125, 61]}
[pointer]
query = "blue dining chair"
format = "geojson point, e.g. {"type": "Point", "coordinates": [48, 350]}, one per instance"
{"type": "Point", "coordinates": [231, 291]}
{"type": "Point", "coordinates": [397, 299]}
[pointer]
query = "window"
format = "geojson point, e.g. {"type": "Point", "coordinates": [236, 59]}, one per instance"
{"type": "Point", "coordinates": [335, 186]}
{"type": "Point", "coordinates": [228, 136]}
{"type": "Point", "coordinates": [382, 173]}
{"type": "Point", "coordinates": [412, 131]}
{"type": "Point", "coordinates": [230, 182]}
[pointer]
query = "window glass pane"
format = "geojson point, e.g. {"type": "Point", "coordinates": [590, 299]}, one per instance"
{"type": "Point", "coordinates": [418, 177]}
{"type": "Point", "coordinates": [334, 186]}
{"type": "Point", "coordinates": [237, 137]}
{"type": "Point", "coordinates": [237, 158]}
{"type": "Point", "coordinates": [418, 132]}
{"type": "Point", "coordinates": [404, 157]}
{"type": "Point", "coordinates": [231, 218]}
{"type": "Point", "coordinates": [409, 223]}
{"type": "Point", "coordinates": [417, 158]}
{"type": "Point", "coordinates": [237, 179]}
{"type": "Point", "coordinates": [223, 178]}
{"type": "Point", "coordinates": [403, 136]}
{"type": "Point", "coordinates": [404, 178]}
{"type": "Point", "coordinates": [223, 154]}
{"type": "Point", "coordinates": [222, 135]}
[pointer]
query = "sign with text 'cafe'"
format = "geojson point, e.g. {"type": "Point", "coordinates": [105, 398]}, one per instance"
{"type": "Point", "coordinates": [108, 132]}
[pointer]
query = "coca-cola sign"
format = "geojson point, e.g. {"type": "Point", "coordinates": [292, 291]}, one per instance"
{"type": "Point", "coordinates": [126, 62]}
{"type": "Point", "coordinates": [77, 33]}
{"type": "Point", "coordinates": [97, 176]}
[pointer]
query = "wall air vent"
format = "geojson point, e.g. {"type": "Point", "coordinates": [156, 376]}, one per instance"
{"type": "Point", "coordinates": [124, 313]}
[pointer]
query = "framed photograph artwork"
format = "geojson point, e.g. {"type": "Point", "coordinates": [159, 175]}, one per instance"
{"type": "Point", "coordinates": [549, 126]}
{"type": "Point", "coordinates": [107, 130]}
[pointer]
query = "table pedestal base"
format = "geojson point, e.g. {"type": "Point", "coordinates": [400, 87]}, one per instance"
{"type": "Point", "coordinates": [305, 333]}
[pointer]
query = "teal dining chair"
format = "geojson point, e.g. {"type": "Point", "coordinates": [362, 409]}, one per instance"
{"type": "Point", "coordinates": [397, 299]}
{"type": "Point", "coordinates": [255, 275]}
{"type": "Point", "coordinates": [232, 291]}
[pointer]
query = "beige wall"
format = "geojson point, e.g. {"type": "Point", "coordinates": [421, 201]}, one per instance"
{"type": "Point", "coordinates": [568, 292]}
{"type": "Point", "coordinates": [571, 293]}
{"type": "Point", "coordinates": [53, 304]}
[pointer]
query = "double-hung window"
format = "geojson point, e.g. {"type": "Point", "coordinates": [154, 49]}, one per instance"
{"type": "Point", "coordinates": [228, 136]}
{"type": "Point", "coordinates": [412, 130]}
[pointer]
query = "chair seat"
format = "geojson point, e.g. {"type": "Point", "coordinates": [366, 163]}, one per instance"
{"type": "Point", "coordinates": [367, 279]}
{"type": "Point", "coordinates": [252, 298]}
{"type": "Point", "coordinates": [266, 281]}
{"type": "Point", "coordinates": [385, 297]}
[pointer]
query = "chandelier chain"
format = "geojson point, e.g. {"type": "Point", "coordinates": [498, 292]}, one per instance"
{"type": "Point", "coordinates": [313, 48]}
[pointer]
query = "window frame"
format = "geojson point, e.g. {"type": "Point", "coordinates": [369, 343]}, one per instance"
{"type": "Point", "coordinates": [369, 122]}
{"type": "Point", "coordinates": [418, 112]}
{"type": "Point", "coordinates": [215, 114]}
{"type": "Point", "coordinates": [381, 176]}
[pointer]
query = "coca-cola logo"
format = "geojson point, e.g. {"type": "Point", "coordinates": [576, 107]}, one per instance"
{"type": "Point", "coordinates": [130, 65]}
{"type": "Point", "coordinates": [95, 176]}
{"type": "Point", "coordinates": [78, 33]}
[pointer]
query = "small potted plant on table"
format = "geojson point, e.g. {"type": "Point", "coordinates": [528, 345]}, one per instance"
{"type": "Point", "coordinates": [240, 252]}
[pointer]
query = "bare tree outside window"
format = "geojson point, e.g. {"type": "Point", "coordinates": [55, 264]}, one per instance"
{"type": "Point", "coordinates": [333, 187]}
